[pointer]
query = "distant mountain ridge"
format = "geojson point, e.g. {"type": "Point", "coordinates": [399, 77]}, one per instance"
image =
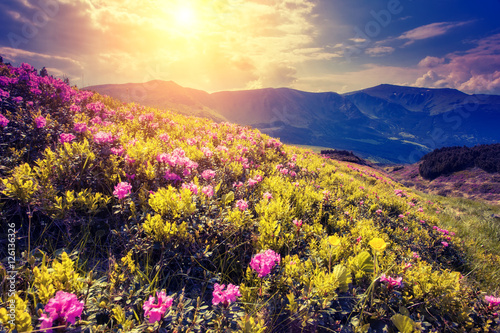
{"type": "Point", "coordinates": [385, 123]}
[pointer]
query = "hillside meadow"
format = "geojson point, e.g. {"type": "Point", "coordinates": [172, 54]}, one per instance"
{"type": "Point", "coordinates": [123, 218]}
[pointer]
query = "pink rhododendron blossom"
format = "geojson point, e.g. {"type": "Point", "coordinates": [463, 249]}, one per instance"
{"type": "Point", "coordinates": [40, 122]}
{"type": "Point", "coordinates": [242, 204]}
{"type": "Point", "coordinates": [208, 191]}
{"type": "Point", "coordinates": [118, 151]}
{"type": "Point", "coordinates": [227, 296]}
{"type": "Point", "coordinates": [191, 186]}
{"type": "Point", "coordinates": [155, 310]}
{"type": "Point", "coordinates": [378, 211]}
{"type": "Point", "coordinates": [207, 152]}
{"type": "Point", "coordinates": [103, 137]}
{"type": "Point", "coordinates": [172, 176]}
{"type": "Point", "coordinates": [494, 301]}
{"type": "Point", "coordinates": [237, 184]}
{"type": "Point", "coordinates": [263, 262]}
{"type": "Point", "coordinates": [3, 121]}
{"type": "Point", "coordinates": [298, 223]}
{"type": "Point", "coordinates": [66, 137]}
{"type": "Point", "coordinates": [122, 190]}
{"type": "Point", "coordinates": [445, 244]}
{"type": "Point", "coordinates": [17, 99]}
{"type": "Point", "coordinates": [61, 309]}
{"type": "Point", "coordinates": [80, 127]}
{"type": "Point", "coordinates": [391, 282]}
{"type": "Point", "coordinates": [208, 174]}
{"type": "Point", "coordinates": [267, 196]}
{"type": "Point", "coordinates": [163, 137]}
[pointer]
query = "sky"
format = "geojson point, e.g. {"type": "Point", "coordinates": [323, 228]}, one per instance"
{"type": "Point", "coordinates": [215, 45]}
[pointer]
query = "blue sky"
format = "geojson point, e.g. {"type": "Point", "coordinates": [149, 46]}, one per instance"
{"type": "Point", "coordinates": [213, 45]}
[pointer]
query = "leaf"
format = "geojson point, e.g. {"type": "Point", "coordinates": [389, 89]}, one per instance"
{"type": "Point", "coordinates": [365, 262]}
{"type": "Point", "coordinates": [403, 323]}
{"type": "Point", "coordinates": [343, 276]}
{"type": "Point", "coordinates": [228, 198]}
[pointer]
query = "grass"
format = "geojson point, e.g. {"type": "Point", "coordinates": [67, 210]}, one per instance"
{"type": "Point", "coordinates": [479, 229]}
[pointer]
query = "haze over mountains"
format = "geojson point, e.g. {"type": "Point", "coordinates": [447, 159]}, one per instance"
{"type": "Point", "coordinates": [386, 123]}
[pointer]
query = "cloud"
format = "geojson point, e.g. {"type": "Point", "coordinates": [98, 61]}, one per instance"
{"type": "Point", "coordinates": [430, 62]}
{"type": "Point", "coordinates": [476, 70]}
{"type": "Point", "coordinates": [378, 51]}
{"type": "Point", "coordinates": [429, 31]}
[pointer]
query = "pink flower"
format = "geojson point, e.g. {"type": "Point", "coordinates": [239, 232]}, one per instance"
{"type": "Point", "coordinates": [208, 174]}
{"type": "Point", "coordinates": [263, 262]}
{"type": "Point", "coordinates": [445, 244]}
{"type": "Point", "coordinates": [267, 196]}
{"type": "Point", "coordinates": [359, 239]}
{"type": "Point", "coordinates": [494, 301]}
{"type": "Point", "coordinates": [164, 137]}
{"type": "Point", "coordinates": [118, 151]}
{"type": "Point", "coordinates": [40, 122]}
{"type": "Point", "coordinates": [62, 309]}
{"type": "Point", "coordinates": [172, 176]}
{"type": "Point", "coordinates": [66, 137]}
{"type": "Point", "coordinates": [378, 211]}
{"type": "Point", "coordinates": [3, 121]}
{"type": "Point", "coordinates": [227, 296]}
{"type": "Point", "coordinates": [80, 127]}
{"type": "Point", "coordinates": [208, 191]}
{"type": "Point", "coordinates": [122, 190]}
{"type": "Point", "coordinates": [103, 137]}
{"type": "Point", "coordinates": [415, 255]}
{"type": "Point", "coordinates": [207, 152]}
{"type": "Point", "coordinates": [154, 310]}
{"type": "Point", "coordinates": [298, 223]}
{"type": "Point", "coordinates": [191, 186]}
{"type": "Point", "coordinates": [237, 184]}
{"type": "Point", "coordinates": [392, 282]}
{"type": "Point", "coordinates": [242, 204]}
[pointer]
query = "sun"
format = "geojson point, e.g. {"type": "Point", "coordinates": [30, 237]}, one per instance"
{"type": "Point", "coordinates": [185, 16]}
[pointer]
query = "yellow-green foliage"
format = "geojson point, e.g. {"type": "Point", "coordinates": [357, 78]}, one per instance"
{"type": "Point", "coordinates": [172, 202]}
{"type": "Point", "coordinates": [164, 231]}
{"type": "Point", "coordinates": [61, 276]}
{"type": "Point", "coordinates": [21, 185]}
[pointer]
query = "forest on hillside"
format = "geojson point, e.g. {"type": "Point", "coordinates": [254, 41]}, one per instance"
{"type": "Point", "coordinates": [448, 160]}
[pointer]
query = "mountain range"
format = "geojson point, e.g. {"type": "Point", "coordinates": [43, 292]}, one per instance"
{"type": "Point", "coordinates": [385, 123]}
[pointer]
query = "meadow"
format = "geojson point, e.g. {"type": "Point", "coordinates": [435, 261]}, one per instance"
{"type": "Point", "coordinates": [123, 218]}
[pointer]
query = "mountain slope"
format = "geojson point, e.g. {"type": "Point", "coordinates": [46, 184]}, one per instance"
{"type": "Point", "coordinates": [385, 123]}
{"type": "Point", "coordinates": [138, 219]}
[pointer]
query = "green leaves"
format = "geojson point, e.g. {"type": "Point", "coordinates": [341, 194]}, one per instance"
{"type": "Point", "coordinates": [403, 323]}
{"type": "Point", "coordinates": [364, 262]}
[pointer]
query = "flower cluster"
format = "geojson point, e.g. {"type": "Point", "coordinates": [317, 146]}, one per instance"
{"type": "Point", "coordinates": [66, 137]}
{"type": "Point", "coordinates": [40, 122]}
{"type": "Point", "coordinates": [493, 301]}
{"type": "Point", "coordinates": [3, 121]}
{"type": "Point", "coordinates": [62, 309]}
{"type": "Point", "coordinates": [227, 296]}
{"type": "Point", "coordinates": [103, 137]}
{"type": "Point", "coordinates": [122, 190]}
{"type": "Point", "coordinates": [155, 310]}
{"type": "Point", "coordinates": [242, 204]}
{"type": "Point", "coordinates": [391, 282]}
{"type": "Point", "coordinates": [263, 262]}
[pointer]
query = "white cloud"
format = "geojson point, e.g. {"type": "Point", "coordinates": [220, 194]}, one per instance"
{"type": "Point", "coordinates": [429, 31]}
{"type": "Point", "coordinates": [476, 70]}
{"type": "Point", "coordinates": [378, 51]}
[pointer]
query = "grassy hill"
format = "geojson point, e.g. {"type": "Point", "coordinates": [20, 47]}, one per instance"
{"type": "Point", "coordinates": [125, 218]}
